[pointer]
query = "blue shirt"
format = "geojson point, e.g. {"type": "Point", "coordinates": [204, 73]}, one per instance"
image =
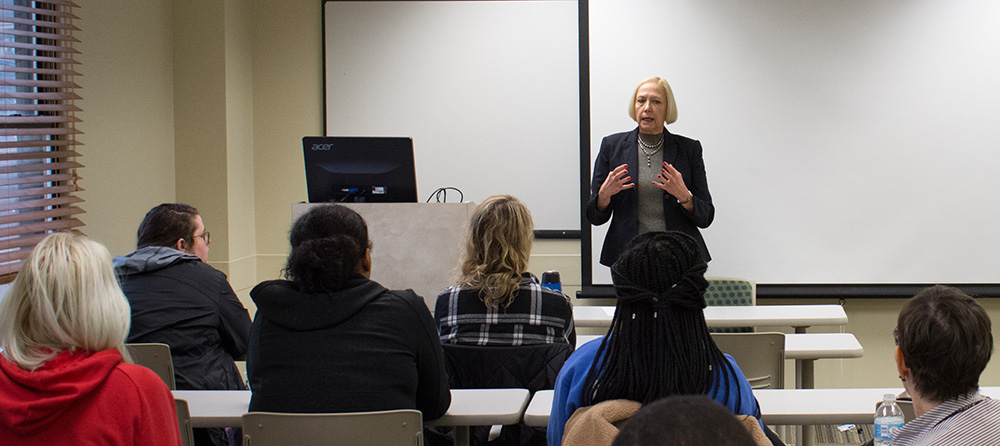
{"type": "Point", "coordinates": [568, 394]}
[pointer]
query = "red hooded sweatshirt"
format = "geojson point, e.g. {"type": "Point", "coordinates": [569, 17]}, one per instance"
{"type": "Point", "coordinates": [82, 398]}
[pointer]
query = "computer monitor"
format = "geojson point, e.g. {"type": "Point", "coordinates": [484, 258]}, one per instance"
{"type": "Point", "coordinates": [359, 169]}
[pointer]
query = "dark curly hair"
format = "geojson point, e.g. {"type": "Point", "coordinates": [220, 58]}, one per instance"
{"type": "Point", "coordinates": [946, 338]}
{"type": "Point", "coordinates": [328, 242]}
{"type": "Point", "coordinates": [658, 344]}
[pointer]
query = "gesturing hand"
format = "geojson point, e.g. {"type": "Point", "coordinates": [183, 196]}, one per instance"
{"type": "Point", "coordinates": [616, 181]}
{"type": "Point", "coordinates": [672, 182]}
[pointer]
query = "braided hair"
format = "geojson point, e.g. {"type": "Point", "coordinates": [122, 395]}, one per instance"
{"type": "Point", "coordinates": [658, 344]}
{"type": "Point", "coordinates": [328, 242]}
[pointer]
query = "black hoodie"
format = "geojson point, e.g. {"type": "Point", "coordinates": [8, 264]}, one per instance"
{"type": "Point", "coordinates": [363, 348]}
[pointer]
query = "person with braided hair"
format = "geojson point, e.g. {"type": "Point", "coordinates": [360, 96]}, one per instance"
{"type": "Point", "coordinates": [658, 344]}
{"type": "Point", "coordinates": [329, 339]}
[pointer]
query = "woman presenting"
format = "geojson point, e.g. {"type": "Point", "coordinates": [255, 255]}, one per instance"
{"type": "Point", "coordinates": [669, 191]}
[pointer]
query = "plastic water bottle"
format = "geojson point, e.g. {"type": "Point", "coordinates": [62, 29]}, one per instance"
{"type": "Point", "coordinates": [550, 280]}
{"type": "Point", "coordinates": [888, 420]}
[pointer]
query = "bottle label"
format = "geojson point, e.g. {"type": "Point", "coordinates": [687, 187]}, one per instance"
{"type": "Point", "coordinates": [886, 431]}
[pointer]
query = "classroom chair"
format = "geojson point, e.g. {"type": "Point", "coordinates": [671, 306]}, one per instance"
{"type": "Point", "coordinates": [761, 356]}
{"type": "Point", "coordinates": [384, 428]}
{"type": "Point", "coordinates": [184, 422]}
{"type": "Point", "coordinates": [532, 367]}
{"type": "Point", "coordinates": [728, 291]}
{"type": "Point", "coordinates": [155, 357]}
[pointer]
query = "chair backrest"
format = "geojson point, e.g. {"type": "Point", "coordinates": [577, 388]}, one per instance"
{"type": "Point", "coordinates": [532, 367]}
{"type": "Point", "coordinates": [384, 428]}
{"type": "Point", "coordinates": [728, 291]}
{"type": "Point", "coordinates": [155, 357]}
{"type": "Point", "coordinates": [761, 356]}
{"type": "Point", "coordinates": [184, 422]}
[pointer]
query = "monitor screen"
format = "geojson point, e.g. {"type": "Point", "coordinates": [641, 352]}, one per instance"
{"type": "Point", "coordinates": [359, 169]}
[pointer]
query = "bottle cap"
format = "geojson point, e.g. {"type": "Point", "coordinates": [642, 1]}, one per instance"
{"type": "Point", "coordinates": [550, 276]}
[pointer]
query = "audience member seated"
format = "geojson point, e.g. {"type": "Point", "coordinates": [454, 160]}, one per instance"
{"type": "Point", "coordinates": [497, 301]}
{"type": "Point", "coordinates": [691, 420]}
{"type": "Point", "coordinates": [179, 300]}
{"type": "Point", "coordinates": [658, 344]}
{"type": "Point", "coordinates": [63, 380]}
{"type": "Point", "coordinates": [499, 326]}
{"type": "Point", "coordinates": [329, 339]}
{"type": "Point", "coordinates": [944, 342]}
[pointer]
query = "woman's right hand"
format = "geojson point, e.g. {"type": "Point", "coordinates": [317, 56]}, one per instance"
{"type": "Point", "coordinates": [616, 181]}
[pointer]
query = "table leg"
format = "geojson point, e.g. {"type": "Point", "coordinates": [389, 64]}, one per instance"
{"type": "Point", "coordinates": [806, 366]}
{"type": "Point", "coordinates": [808, 435]}
{"type": "Point", "coordinates": [804, 379]}
{"type": "Point", "coordinates": [798, 373]}
{"type": "Point", "coordinates": [461, 435]}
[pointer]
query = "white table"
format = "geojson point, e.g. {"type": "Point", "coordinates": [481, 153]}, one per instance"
{"type": "Point", "coordinates": [537, 413]}
{"type": "Point", "coordinates": [826, 406]}
{"type": "Point", "coordinates": [799, 317]}
{"type": "Point", "coordinates": [804, 348]}
{"type": "Point", "coordinates": [469, 407]}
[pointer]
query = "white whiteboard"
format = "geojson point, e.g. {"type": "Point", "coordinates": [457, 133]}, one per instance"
{"type": "Point", "coordinates": [488, 90]}
{"type": "Point", "coordinates": [845, 141]}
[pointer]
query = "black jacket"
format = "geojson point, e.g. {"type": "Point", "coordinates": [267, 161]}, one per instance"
{"type": "Point", "coordinates": [363, 348]}
{"type": "Point", "coordinates": [685, 155]}
{"type": "Point", "coordinates": [180, 301]}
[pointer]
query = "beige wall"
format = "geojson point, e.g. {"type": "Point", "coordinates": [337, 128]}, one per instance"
{"type": "Point", "coordinates": [168, 116]}
{"type": "Point", "coordinates": [288, 104]}
{"type": "Point", "coordinates": [206, 101]}
{"type": "Point", "coordinates": [128, 115]}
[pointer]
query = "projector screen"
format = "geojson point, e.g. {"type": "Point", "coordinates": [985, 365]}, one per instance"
{"type": "Point", "coordinates": [844, 141]}
{"type": "Point", "coordinates": [488, 90]}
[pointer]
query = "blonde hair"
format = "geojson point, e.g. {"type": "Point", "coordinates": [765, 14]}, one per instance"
{"type": "Point", "coordinates": [497, 248]}
{"type": "Point", "coordinates": [66, 297]}
{"type": "Point", "coordinates": [671, 104]}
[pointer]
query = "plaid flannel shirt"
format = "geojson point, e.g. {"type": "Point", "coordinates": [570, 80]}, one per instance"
{"type": "Point", "coordinates": [537, 315]}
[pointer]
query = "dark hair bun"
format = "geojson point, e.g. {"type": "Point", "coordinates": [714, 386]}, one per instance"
{"type": "Point", "coordinates": [328, 243]}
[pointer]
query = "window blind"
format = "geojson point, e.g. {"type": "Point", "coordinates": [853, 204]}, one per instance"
{"type": "Point", "coordinates": [38, 167]}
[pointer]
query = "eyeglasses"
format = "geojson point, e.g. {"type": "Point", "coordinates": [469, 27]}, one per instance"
{"type": "Point", "coordinates": [206, 236]}
{"type": "Point", "coordinates": [895, 335]}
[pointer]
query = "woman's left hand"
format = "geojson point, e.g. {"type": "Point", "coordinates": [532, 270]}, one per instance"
{"type": "Point", "coordinates": [672, 182]}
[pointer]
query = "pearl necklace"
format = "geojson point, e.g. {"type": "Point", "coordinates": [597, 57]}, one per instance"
{"type": "Point", "coordinates": [655, 147]}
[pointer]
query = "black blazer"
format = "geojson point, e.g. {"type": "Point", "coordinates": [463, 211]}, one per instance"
{"type": "Point", "coordinates": [686, 156]}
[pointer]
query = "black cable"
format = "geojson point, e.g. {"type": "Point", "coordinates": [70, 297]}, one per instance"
{"type": "Point", "coordinates": [441, 195]}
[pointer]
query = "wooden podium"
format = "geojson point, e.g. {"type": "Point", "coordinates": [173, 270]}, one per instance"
{"type": "Point", "coordinates": [414, 245]}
